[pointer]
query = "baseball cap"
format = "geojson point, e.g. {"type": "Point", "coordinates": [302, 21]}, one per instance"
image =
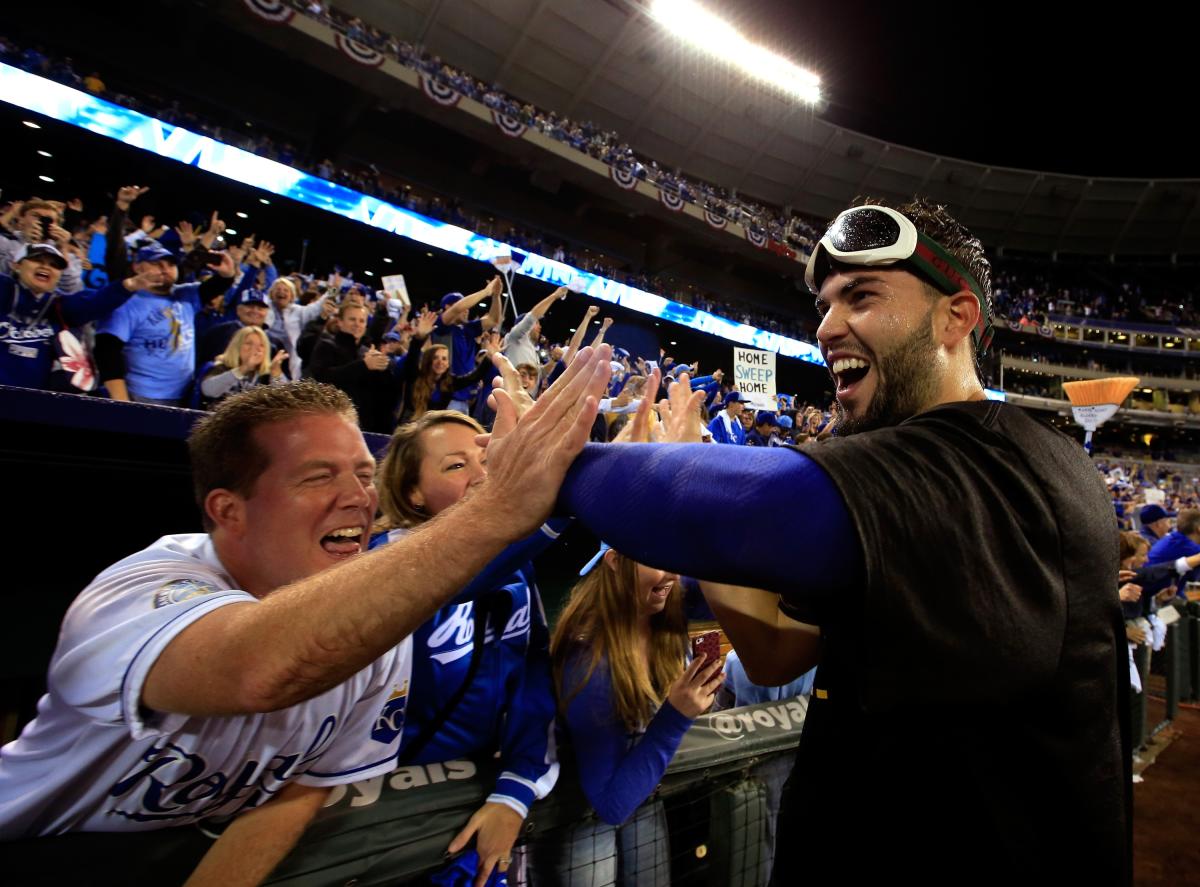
{"type": "Point", "coordinates": [735, 397]}
{"type": "Point", "coordinates": [393, 336]}
{"type": "Point", "coordinates": [450, 298]}
{"type": "Point", "coordinates": [765, 417]}
{"type": "Point", "coordinates": [153, 252]}
{"type": "Point", "coordinates": [32, 250]}
{"type": "Point", "coordinates": [620, 353]}
{"type": "Point", "coordinates": [253, 297]}
{"type": "Point", "coordinates": [1151, 513]}
{"type": "Point", "coordinates": [590, 565]}
{"type": "Point", "coordinates": [785, 422]}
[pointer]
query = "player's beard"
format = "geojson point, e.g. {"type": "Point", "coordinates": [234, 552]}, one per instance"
{"type": "Point", "coordinates": [906, 384]}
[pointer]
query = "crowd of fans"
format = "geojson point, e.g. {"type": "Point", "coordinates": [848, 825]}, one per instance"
{"type": "Point", "coordinates": [583, 136]}
{"type": "Point", "coordinates": [1022, 296]}
{"type": "Point", "coordinates": [388, 185]}
{"type": "Point", "coordinates": [211, 316]}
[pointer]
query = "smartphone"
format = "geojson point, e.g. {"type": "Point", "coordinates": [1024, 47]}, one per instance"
{"type": "Point", "coordinates": [213, 258]}
{"type": "Point", "coordinates": [708, 644]}
{"type": "Point", "coordinates": [45, 237]}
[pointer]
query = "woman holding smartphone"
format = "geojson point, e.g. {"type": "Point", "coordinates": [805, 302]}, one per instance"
{"type": "Point", "coordinates": [627, 694]}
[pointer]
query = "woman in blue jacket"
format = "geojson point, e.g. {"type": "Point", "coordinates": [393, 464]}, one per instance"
{"type": "Point", "coordinates": [481, 669]}
{"type": "Point", "coordinates": [627, 694]}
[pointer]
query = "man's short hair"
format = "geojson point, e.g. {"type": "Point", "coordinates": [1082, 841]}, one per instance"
{"type": "Point", "coordinates": [32, 205]}
{"type": "Point", "coordinates": [527, 368]}
{"type": "Point", "coordinates": [346, 307]}
{"type": "Point", "coordinates": [224, 452]}
{"type": "Point", "coordinates": [1188, 521]}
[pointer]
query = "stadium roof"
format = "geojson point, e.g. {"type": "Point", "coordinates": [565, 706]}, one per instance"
{"type": "Point", "coordinates": [605, 61]}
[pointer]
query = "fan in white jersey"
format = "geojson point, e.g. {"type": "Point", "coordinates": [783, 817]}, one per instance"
{"type": "Point", "coordinates": [233, 676]}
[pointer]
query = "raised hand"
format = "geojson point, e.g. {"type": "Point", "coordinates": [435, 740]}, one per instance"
{"type": "Point", "coordinates": [147, 280]}
{"type": "Point", "coordinates": [277, 363]}
{"type": "Point", "coordinates": [527, 459]}
{"type": "Point", "coordinates": [426, 322]}
{"type": "Point", "coordinates": [187, 234]}
{"type": "Point", "coordinates": [224, 265]}
{"type": "Point", "coordinates": [128, 194]}
{"type": "Point", "coordinates": [216, 227]}
{"type": "Point", "coordinates": [490, 343]}
{"type": "Point", "coordinates": [680, 412]}
{"type": "Point", "coordinates": [510, 381]}
{"type": "Point", "coordinates": [375, 359]}
{"type": "Point", "coordinates": [60, 235]}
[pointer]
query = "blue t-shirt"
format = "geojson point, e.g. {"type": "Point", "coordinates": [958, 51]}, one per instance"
{"type": "Point", "coordinates": [159, 333]}
{"type": "Point", "coordinates": [462, 350]}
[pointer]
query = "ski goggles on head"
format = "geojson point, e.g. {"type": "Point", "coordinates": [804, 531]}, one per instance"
{"type": "Point", "coordinates": [880, 236]}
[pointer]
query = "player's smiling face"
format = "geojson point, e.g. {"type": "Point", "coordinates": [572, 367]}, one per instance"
{"type": "Point", "coordinates": [876, 336]}
{"type": "Point", "coordinates": [313, 505]}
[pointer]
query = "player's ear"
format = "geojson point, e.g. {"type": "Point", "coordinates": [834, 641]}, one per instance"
{"type": "Point", "coordinates": [962, 314]}
{"type": "Point", "coordinates": [227, 511]}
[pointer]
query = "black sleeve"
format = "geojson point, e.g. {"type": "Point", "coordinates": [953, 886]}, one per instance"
{"type": "Point", "coordinates": [329, 365]}
{"type": "Point", "coordinates": [116, 260]}
{"type": "Point", "coordinates": [480, 372]}
{"type": "Point", "coordinates": [307, 342]}
{"type": "Point", "coordinates": [379, 325]}
{"type": "Point", "coordinates": [213, 285]}
{"type": "Point", "coordinates": [110, 357]}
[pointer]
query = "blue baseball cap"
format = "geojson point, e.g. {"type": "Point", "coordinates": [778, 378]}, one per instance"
{"type": "Point", "coordinates": [735, 397]}
{"type": "Point", "coordinates": [785, 422]}
{"type": "Point", "coordinates": [253, 297]}
{"type": "Point", "coordinates": [590, 565]}
{"type": "Point", "coordinates": [766, 417]}
{"type": "Point", "coordinates": [450, 298]}
{"type": "Point", "coordinates": [1151, 513]}
{"type": "Point", "coordinates": [153, 252]}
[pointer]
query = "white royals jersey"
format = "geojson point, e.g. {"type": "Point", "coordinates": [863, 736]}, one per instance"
{"type": "Point", "coordinates": [95, 760]}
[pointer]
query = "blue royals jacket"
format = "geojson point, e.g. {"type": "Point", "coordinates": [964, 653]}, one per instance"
{"type": "Point", "coordinates": [509, 704]}
{"type": "Point", "coordinates": [38, 347]}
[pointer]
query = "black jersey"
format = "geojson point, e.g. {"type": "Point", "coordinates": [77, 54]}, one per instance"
{"type": "Point", "coordinates": [968, 720]}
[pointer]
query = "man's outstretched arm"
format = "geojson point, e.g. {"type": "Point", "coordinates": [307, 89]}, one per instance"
{"type": "Point", "coordinates": [781, 523]}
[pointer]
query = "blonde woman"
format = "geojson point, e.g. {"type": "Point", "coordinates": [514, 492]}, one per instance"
{"type": "Point", "coordinates": [625, 689]}
{"type": "Point", "coordinates": [481, 683]}
{"type": "Point", "coordinates": [244, 364]}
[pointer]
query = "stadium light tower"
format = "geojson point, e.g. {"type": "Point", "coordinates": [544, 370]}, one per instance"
{"type": "Point", "coordinates": [694, 24]}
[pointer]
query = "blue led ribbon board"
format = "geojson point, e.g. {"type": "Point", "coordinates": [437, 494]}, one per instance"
{"type": "Point", "coordinates": [84, 110]}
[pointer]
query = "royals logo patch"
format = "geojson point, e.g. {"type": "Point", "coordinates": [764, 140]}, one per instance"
{"type": "Point", "coordinates": [180, 591]}
{"type": "Point", "coordinates": [390, 723]}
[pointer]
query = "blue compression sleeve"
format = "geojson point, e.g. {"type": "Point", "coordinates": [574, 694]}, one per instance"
{"type": "Point", "coordinates": [765, 517]}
